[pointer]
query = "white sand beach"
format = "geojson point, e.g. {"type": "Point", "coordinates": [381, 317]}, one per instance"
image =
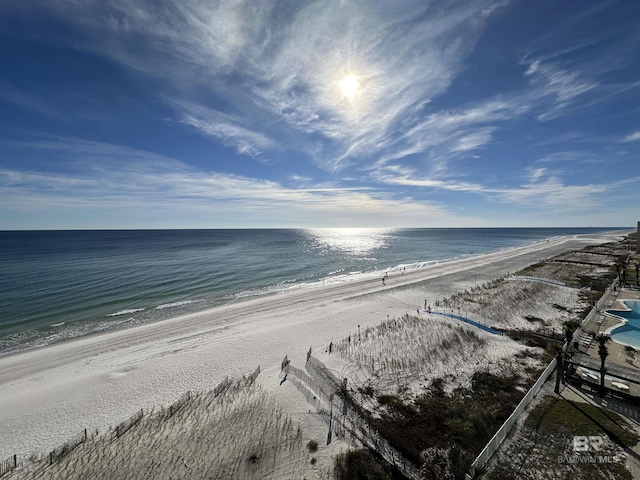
{"type": "Point", "coordinates": [49, 394]}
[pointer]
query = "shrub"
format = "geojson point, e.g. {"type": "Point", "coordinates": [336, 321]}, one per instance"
{"type": "Point", "coordinates": [362, 465]}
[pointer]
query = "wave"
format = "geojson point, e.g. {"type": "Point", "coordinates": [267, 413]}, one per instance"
{"type": "Point", "coordinates": [58, 324]}
{"type": "Point", "coordinates": [175, 304]}
{"type": "Point", "coordinates": [128, 311]}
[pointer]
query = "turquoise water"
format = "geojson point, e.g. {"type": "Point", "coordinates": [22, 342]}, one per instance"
{"type": "Point", "coordinates": [629, 333]}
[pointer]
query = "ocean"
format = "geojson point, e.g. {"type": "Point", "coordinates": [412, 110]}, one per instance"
{"type": "Point", "coordinates": [55, 285]}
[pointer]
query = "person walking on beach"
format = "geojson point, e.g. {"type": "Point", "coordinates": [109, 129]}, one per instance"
{"type": "Point", "coordinates": [383, 281]}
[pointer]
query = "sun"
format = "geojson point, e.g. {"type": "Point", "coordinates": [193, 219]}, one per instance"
{"type": "Point", "coordinates": [349, 86]}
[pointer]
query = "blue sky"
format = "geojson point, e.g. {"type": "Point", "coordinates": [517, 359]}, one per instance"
{"type": "Point", "coordinates": [244, 113]}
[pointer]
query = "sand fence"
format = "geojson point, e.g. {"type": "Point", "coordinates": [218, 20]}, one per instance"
{"type": "Point", "coordinates": [90, 455]}
{"type": "Point", "coordinates": [328, 395]}
{"type": "Point", "coordinates": [9, 464]}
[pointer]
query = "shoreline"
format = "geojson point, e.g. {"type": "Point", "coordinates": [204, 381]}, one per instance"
{"type": "Point", "coordinates": [49, 393]}
{"type": "Point", "coordinates": [305, 288]}
{"type": "Point", "coordinates": [62, 329]}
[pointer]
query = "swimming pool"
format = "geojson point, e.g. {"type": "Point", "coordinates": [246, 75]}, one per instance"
{"type": "Point", "coordinates": [629, 333]}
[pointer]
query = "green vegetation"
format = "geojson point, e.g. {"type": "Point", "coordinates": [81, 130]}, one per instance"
{"type": "Point", "coordinates": [312, 446]}
{"type": "Point", "coordinates": [531, 269]}
{"type": "Point", "coordinates": [555, 415]}
{"type": "Point", "coordinates": [465, 419]}
{"type": "Point", "coordinates": [543, 447]}
{"type": "Point", "coordinates": [363, 465]}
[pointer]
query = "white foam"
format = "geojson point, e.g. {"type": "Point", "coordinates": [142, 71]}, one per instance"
{"type": "Point", "coordinates": [174, 304]}
{"type": "Point", "coordinates": [128, 311]}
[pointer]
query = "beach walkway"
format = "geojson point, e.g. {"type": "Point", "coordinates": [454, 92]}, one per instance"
{"type": "Point", "coordinates": [466, 320]}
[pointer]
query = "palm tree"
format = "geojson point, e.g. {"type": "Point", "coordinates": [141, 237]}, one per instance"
{"type": "Point", "coordinates": [569, 328]}
{"type": "Point", "coordinates": [621, 270]}
{"type": "Point", "coordinates": [603, 353]}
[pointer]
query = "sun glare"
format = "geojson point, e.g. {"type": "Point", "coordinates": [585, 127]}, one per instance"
{"type": "Point", "coordinates": [349, 86]}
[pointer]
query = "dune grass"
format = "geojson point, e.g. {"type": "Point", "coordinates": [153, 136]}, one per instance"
{"type": "Point", "coordinates": [403, 356]}
{"type": "Point", "coordinates": [239, 432]}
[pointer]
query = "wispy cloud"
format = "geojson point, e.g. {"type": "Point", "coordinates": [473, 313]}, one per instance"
{"type": "Point", "coordinates": [536, 173]}
{"type": "Point", "coordinates": [447, 135]}
{"type": "Point", "coordinates": [542, 190]}
{"type": "Point", "coordinates": [287, 63]}
{"type": "Point", "coordinates": [554, 195]}
{"type": "Point", "coordinates": [558, 84]}
{"type": "Point", "coordinates": [634, 137]}
{"type": "Point", "coordinates": [226, 129]}
{"type": "Point", "coordinates": [20, 99]}
{"type": "Point", "coordinates": [563, 156]}
{"type": "Point", "coordinates": [262, 78]}
{"type": "Point", "coordinates": [115, 177]}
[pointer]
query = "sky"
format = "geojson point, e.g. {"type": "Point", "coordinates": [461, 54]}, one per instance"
{"type": "Point", "coordinates": [257, 114]}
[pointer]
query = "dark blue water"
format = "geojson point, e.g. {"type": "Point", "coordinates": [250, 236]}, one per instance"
{"type": "Point", "coordinates": [60, 284]}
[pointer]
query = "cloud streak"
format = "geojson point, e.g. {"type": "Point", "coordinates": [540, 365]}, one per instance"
{"type": "Point", "coordinates": [226, 129]}
{"type": "Point", "coordinates": [634, 137]}
{"type": "Point", "coordinates": [113, 177]}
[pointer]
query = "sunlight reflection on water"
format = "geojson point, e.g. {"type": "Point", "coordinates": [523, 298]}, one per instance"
{"type": "Point", "coordinates": [350, 241]}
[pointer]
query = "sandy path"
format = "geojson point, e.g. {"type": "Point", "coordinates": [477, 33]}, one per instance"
{"type": "Point", "coordinates": [51, 393]}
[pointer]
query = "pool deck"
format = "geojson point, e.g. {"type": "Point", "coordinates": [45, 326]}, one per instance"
{"type": "Point", "coordinates": [618, 364]}
{"type": "Point", "coordinates": [617, 355]}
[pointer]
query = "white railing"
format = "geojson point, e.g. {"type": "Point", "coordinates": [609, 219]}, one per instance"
{"type": "Point", "coordinates": [594, 311]}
